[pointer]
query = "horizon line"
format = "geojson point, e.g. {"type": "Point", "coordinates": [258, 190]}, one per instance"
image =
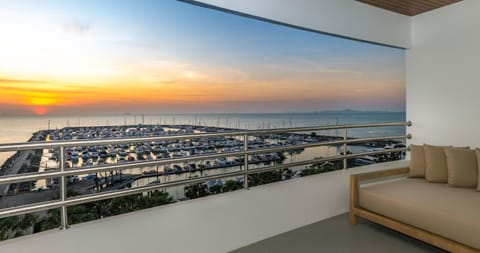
{"type": "Point", "coordinates": [201, 113]}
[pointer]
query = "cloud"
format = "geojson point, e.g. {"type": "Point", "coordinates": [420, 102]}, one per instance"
{"type": "Point", "coordinates": [77, 27]}
{"type": "Point", "coordinates": [30, 85]}
{"type": "Point", "coordinates": [167, 82]}
{"type": "Point", "coordinates": [19, 81]}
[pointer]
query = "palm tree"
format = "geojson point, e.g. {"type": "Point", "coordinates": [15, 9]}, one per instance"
{"type": "Point", "coordinates": [104, 208]}
{"type": "Point", "coordinates": [16, 226]}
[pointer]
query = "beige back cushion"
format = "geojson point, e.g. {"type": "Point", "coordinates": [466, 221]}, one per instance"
{"type": "Point", "coordinates": [417, 161]}
{"type": "Point", "coordinates": [462, 167]}
{"type": "Point", "coordinates": [435, 164]}
{"type": "Point", "coordinates": [436, 170]}
{"type": "Point", "coordinates": [478, 167]}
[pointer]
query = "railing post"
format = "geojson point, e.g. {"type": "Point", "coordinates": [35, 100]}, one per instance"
{"type": "Point", "coordinates": [62, 171]}
{"type": "Point", "coordinates": [63, 191]}
{"type": "Point", "coordinates": [408, 136]}
{"type": "Point", "coordinates": [345, 138]}
{"type": "Point", "coordinates": [245, 162]}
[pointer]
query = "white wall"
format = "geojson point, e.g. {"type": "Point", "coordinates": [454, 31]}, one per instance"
{"type": "Point", "coordinates": [443, 76]}
{"type": "Point", "coordinates": [215, 224]}
{"type": "Point", "coordinates": [342, 17]}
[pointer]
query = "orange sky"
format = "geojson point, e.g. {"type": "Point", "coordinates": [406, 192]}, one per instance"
{"type": "Point", "coordinates": [59, 58]}
{"type": "Point", "coordinates": [43, 97]}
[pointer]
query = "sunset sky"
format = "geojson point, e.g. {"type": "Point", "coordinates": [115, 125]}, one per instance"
{"type": "Point", "coordinates": [110, 57]}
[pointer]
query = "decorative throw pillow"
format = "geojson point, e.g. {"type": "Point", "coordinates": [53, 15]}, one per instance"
{"type": "Point", "coordinates": [435, 164]}
{"type": "Point", "coordinates": [462, 167]}
{"type": "Point", "coordinates": [417, 161]}
{"type": "Point", "coordinates": [478, 167]}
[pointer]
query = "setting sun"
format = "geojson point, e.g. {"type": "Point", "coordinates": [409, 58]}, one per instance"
{"type": "Point", "coordinates": [40, 110]}
{"type": "Point", "coordinates": [90, 62]}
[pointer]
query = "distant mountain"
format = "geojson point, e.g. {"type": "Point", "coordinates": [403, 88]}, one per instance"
{"type": "Point", "coordinates": [353, 111]}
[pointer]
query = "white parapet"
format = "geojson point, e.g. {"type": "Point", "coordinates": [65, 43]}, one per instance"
{"type": "Point", "coordinates": [217, 223]}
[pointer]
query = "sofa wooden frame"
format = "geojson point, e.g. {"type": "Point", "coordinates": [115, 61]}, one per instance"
{"type": "Point", "coordinates": [356, 211]}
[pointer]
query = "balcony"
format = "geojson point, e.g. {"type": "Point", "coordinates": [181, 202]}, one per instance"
{"type": "Point", "coordinates": [291, 212]}
{"type": "Point", "coordinates": [217, 223]}
{"type": "Point", "coordinates": [225, 222]}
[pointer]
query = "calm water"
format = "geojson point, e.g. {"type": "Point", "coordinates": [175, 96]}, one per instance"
{"type": "Point", "coordinates": [19, 129]}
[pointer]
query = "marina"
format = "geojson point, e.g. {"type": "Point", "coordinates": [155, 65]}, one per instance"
{"type": "Point", "coordinates": [84, 157]}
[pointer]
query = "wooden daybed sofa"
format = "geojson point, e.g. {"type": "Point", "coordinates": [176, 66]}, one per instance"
{"type": "Point", "coordinates": [444, 212]}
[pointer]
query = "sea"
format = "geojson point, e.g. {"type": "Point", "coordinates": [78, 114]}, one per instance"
{"type": "Point", "coordinates": [20, 129]}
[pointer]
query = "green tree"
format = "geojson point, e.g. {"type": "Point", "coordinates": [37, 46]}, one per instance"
{"type": "Point", "coordinates": [232, 185]}
{"type": "Point", "coordinates": [104, 208]}
{"type": "Point", "coordinates": [194, 191]}
{"type": "Point", "coordinates": [15, 226]}
{"type": "Point", "coordinates": [215, 189]}
{"type": "Point", "coordinates": [158, 198]}
{"type": "Point", "coordinates": [264, 178]}
{"type": "Point", "coordinates": [322, 168]}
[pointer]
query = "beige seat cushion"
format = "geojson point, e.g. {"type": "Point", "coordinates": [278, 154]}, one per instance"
{"type": "Point", "coordinates": [462, 167]}
{"type": "Point", "coordinates": [435, 164]}
{"type": "Point", "coordinates": [477, 151]}
{"type": "Point", "coordinates": [417, 161]}
{"type": "Point", "coordinates": [446, 211]}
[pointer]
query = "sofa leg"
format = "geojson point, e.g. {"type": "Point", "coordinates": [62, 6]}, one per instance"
{"type": "Point", "coordinates": [354, 186]}
{"type": "Point", "coordinates": [353, 219]}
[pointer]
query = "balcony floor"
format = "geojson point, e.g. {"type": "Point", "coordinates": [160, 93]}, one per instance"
{"type": "Point", "coordinates": [337, 235]}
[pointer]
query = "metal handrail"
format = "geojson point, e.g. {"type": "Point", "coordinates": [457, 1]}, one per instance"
{"type": "Point", "coordinates": [64, 202]}
{"type": "Point", "coordinates": [109, 167]}
{"type": "Point", "coordinates": [6, 212]}
{"type": "Point", "coordinates": [56, 144]}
